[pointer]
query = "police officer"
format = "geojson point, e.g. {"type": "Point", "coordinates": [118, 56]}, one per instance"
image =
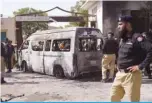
{"type": "Point", "coordinates": [147, 68]}
{"type": "Point", "coordinates": [9, 56]}
{"type": "Point", "coordinates": [109, 56]}
{"type": "Point", "coordinates": [2, 63]}
{"type": "Point", "coordinates": [135, 53]}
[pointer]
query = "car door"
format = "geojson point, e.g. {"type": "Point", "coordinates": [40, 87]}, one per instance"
{"type": "Point", "coordinates": [47, 58]}
{"type": "Point", "coordinates": [36, 55]}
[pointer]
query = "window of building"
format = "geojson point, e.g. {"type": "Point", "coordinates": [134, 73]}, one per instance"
{"type": "Point", "coordinates": [48, 45]}
{"type": "Point", "coordinates": [94, 10]}
{"type": "Point", "coordinates": [61, 45]}
{"type": "Point", "coordinates": [3, 36]}
{"type": "Point", "coordinates": [37, 45]}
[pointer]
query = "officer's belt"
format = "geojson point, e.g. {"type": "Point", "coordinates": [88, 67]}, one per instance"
{"type": "Point", "coordinates": [123, 70]}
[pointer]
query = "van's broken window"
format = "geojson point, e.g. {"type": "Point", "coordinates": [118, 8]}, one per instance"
{"type": "Point", "coordinates": [37, 45]}
{"type": "Point", "coordinates": [25, 45]}
{"type": "Point", "coordinates": [48, 45]}
{"type": "Point", "coordinates": [90, 44]}
{"type": "Point", "coordinates": [61, 45]}
{"type": "Point", "coordinates": [88, 32]}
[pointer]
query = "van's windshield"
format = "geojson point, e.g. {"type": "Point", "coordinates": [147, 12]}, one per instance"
{"type": "Point", "coordinates": [89, 32]}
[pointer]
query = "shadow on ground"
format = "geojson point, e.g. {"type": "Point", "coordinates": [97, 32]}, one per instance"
{"type": "Point", "coordinates": [25, 76]}
{"type": "Point", "coordinates": [11, 83]}
{"type": "Point", "coordinates": [93, 77]}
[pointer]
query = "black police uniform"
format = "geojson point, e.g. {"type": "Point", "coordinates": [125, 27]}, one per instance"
{"type": "Point", "coordinates": [10, 51]}
{"type": "Point", "coordinates": [147, 68]}
{"type": "Point", "coordinates": [110, 47]}
{"type": "Point", "coordinates": [134, 50]}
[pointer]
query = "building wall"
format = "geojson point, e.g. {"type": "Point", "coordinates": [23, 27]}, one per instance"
{"type": "Point", "coordinates": [99, 14]}
{"type": "Point", "coordinates": [109, 11]}
{"type": "Point", "coordinates": [113, 9]}
{"type": "Point", "coordinates": [94, 5]}
{"type": "Point", "coordinates": [8, 26]}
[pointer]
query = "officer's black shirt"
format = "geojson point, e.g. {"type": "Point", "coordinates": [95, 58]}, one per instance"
{"type": "Point", "coordinates": [10, 50]}
{"type": "Point", "coordinates": [110, 46]}
{"type": "Point", "coordinates": [134, 50]}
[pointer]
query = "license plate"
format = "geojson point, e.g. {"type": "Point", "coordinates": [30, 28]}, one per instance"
{"type": "Point", "coordinates": [93, 62]}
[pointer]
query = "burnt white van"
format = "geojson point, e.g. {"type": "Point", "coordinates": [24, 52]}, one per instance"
{"type": "Point", "coordinates": [62, 52]}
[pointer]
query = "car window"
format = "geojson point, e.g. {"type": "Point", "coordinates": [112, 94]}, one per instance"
{"type": "Point", "coordinates": [37, 45]}
{"type": "Point", "coordinates": [61, 45]}
{"type": "Point", "coordinates": [25, 45]}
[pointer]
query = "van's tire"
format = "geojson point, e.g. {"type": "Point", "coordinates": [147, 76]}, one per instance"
{"type": "Point", "coordinates": [69, 77]}
{"type": "Point", "coordinates": [58, 72]}
{"type": "Point", "coordinates": [24, 66]}
{"type": "Point", "coordinates": [17, 66]}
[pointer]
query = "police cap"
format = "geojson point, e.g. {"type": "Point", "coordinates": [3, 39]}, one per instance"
{"type": "Point", "coordinates": [125, 19]}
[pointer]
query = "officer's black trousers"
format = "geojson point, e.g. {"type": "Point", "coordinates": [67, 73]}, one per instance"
{"type": "Point", "coordinates": [8, 63]}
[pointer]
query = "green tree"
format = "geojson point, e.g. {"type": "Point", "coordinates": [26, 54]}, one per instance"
{"type": "Point", "coordinates": [30, 27]}
{"type": "Point", "coordinates": [77, 8]}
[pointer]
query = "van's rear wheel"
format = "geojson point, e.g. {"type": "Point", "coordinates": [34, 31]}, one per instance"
{"type": "Point", "coordinates": [69, 77]}
{"type": "Point", "coordinates": [58, 72]}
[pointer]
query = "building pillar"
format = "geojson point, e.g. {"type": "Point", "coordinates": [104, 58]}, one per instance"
{"type": "Point", "coordinates": [19, 38]}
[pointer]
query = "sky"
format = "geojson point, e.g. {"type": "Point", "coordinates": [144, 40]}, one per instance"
{"type": "Point", "coordinates": [9, 6]}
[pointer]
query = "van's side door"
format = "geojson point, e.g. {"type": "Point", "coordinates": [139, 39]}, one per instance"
{"type": "Point", "coordinates": [36, 55]}
{"type": "Point", "coordinates": [47, 58]}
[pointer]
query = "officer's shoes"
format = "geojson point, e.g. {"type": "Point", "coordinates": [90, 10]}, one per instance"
{"type": "Point", "coordinates": [104, 81]}
{"type": "Point", "coordinates": [110, 80]}
{"type": "Point", "coordinates": [9, 71]}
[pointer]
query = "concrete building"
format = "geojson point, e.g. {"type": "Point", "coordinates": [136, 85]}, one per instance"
{"type": "Point", "coordinates": [94, 8]}
{"type": "Point", "coordinates": [107, 13]}
{"type": "Point", "coordinates": [8, 29]}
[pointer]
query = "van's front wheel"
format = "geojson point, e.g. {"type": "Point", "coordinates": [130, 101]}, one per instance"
{"type": "Point", "coordinates": [72, 77]}
{"type": "Point", "coordinates": [58, 72]}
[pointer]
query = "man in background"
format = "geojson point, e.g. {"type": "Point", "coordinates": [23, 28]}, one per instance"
{"type": "Point", "coordinates": [110, 49]}
{"type": "Point", "coordinates": [9, 56]}
{"type": "Point", "coordinates": [148, 36]}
